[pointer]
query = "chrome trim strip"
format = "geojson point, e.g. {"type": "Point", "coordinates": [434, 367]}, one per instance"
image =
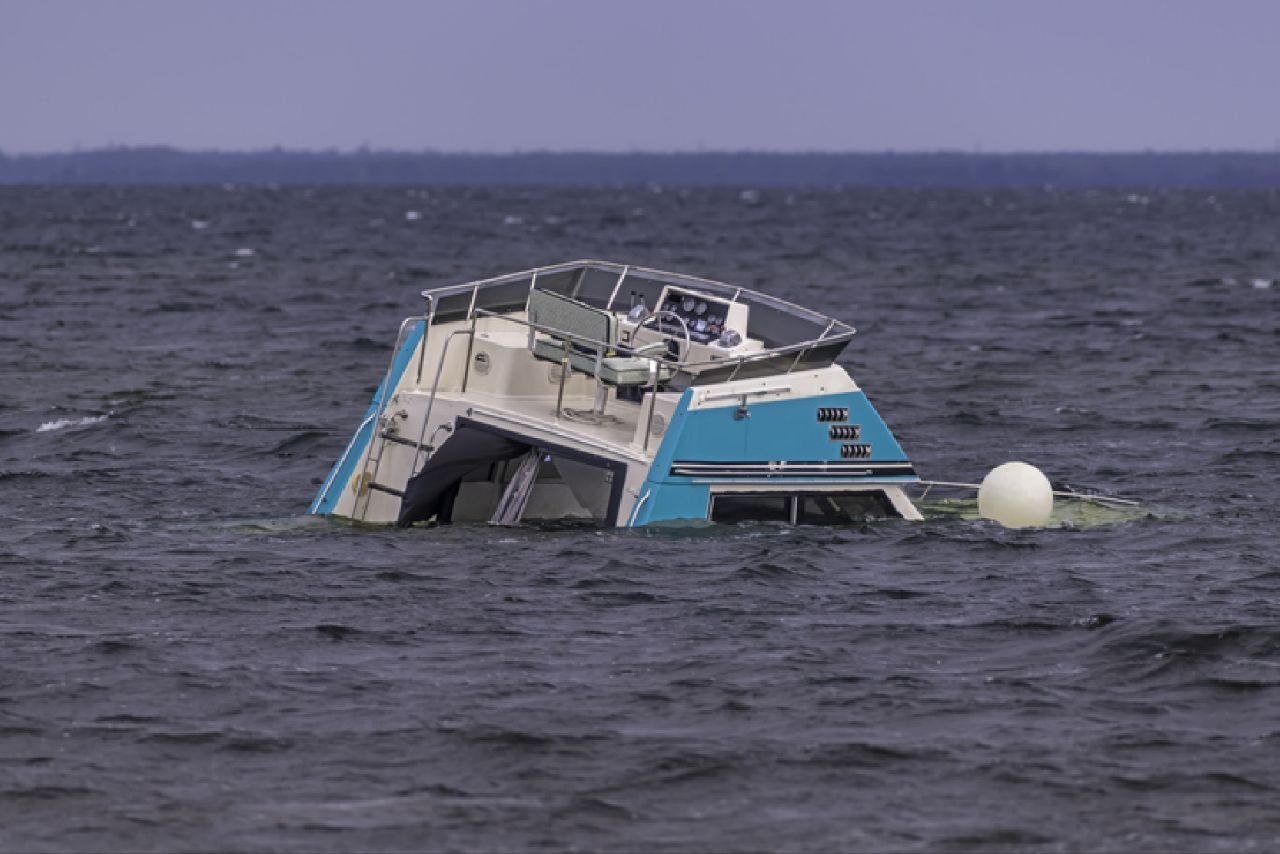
{"type": "Point", "coordinates": [832, 469]}
{"type": "Point", "coordinates": [755, 392]}
{"type": "Point", "coordinates": [635, 511]}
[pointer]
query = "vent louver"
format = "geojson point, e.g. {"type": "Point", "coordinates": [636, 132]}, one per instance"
{"type": "Point", "coordinates": [845, 431]}
{"type": "Point", "coordinates": [833, 413]}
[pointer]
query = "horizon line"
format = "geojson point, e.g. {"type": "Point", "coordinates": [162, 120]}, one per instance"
{"type": "Point", "coordinates": [365, 150]}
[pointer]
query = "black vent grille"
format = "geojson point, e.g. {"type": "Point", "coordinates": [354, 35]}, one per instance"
{"type": "Point", "coordinates": [855, 451]}
{"type": "Point", "coordinates": [845, 431]}
{"type": "Point", "coordinates": [833, 413]}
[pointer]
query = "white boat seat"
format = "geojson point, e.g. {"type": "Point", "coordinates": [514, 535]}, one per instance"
{"type": "Point", "coordinates": [631, 370]}
{"type": "Point", "coordinates": [589, 337]}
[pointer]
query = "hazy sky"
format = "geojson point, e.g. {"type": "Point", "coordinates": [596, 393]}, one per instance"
{"type": "Point", "coordinates": [500, 75]}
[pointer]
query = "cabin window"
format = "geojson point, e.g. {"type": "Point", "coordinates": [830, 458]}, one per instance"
{"type": "Point", "coordinates": [842, 508]}
{"type": "Point", "coordinates": [760, 507]}
{"type": "Point", "coordinates": [808, 508]}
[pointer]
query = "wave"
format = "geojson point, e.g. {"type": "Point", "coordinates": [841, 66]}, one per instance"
{"type": "Point", "coordinates": [64, 423]}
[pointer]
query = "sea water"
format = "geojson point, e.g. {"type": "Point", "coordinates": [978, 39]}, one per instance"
{"type": "Point", "coordinates": [191, 663]}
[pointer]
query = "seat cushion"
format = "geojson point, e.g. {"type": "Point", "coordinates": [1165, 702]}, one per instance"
{"type": "Point", "coordinates": [553, 350]}
{"type": "Point", "coordinates": [617, 370]}
{"type": "Point", "coordinates": [548, 349]}
{"type": "Point", "coordinates": [563, 317]}
{"type": "Point", "coordinates": [625, 371]}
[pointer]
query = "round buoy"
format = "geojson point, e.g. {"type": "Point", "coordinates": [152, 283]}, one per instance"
{"type": "Point", "coordinates": [1016, 495]}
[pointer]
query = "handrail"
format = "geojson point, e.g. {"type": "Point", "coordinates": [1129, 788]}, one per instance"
{"type": "Point", "coordinates": [384, 391]}
{"type": "Point", "coordinates": [801, 353]}
{"type": "Point", "coordinates": [751, 392]}
{"type": "Point", "coordinates": [737, 361]}
{"type": "Point", "coordinates": [653, 402]}
{"type": "Point", "coordinates": [635, 510]}
{"type": "Point", "coordinates": [466, 362]}
{"type": "Point", "coordinates": [601, 346]}
{"type": "Point", "coordinates": [550, 330]}
{"type": "Point", "coordinates": [435, 387]}
{"type": "Point", "coordinates": [759, 355]}
{"type": "Point", "coordinates": [1057, 493]}
{"type": "Point", "coordinates": [428, 444]}
{"type": "Point", "coordinates": [429, 316]}
{"type": "Point", "coordinates": [324, 490]}
{"type": "Point", "coordinates": [734, 292]}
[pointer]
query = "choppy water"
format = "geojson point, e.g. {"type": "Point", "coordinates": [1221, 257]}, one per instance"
{"type": "Point", "coordinates": [190, 664]}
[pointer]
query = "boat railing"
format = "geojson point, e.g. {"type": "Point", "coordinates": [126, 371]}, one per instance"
{"type": "Point", "coordinates": [429, 316]}
{"type": "Point", "coordinates": [431, 400]}
{"type": "Point", "coordinates": [333, 473]}
{"type": "Point", "coordinates": [679, 365]}
{"type": "Point", "coordinates": [742, 359]}
{"type": "Point", "coordinates": [380, 405]}
{"type": "Point", "coordinates": [733, 293]}
{"type": "Point", "coordinates": [582, 340]}
{"type": "Point", "coordinates": [834, 332]}
{"type": "Point", "coordinates": [601, 347]}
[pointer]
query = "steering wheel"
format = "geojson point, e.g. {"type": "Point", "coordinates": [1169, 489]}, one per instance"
{"type": "Point", "coordinates": [655, 320]}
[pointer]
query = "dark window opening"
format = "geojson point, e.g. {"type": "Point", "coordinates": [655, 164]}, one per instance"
{"type": "Point", "coordinates": [811, 508]}
{"type": "Point", "coordinates": [468, 475]}
{"type": "Point", "coordinates": [766, 507]}
{"type": "Point", "coordinates": [843, 509]}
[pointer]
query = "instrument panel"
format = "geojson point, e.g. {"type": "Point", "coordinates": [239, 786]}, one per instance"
{"type": "Point", "coordinates": [705, 317]}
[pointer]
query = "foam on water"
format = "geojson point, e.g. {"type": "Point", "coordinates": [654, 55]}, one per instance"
{"type": "Point", "coordinates": [64, 423]}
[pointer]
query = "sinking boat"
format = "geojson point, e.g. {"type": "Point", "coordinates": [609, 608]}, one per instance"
{"type": "Point", "coordinates": [620, 396]}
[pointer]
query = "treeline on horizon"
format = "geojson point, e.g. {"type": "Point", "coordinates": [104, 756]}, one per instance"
{"type": "Point", "coordinates": [160, 165]}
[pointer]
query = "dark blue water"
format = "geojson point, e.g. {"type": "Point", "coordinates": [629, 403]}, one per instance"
{"type": "Point", "coordinates": [189, 663]}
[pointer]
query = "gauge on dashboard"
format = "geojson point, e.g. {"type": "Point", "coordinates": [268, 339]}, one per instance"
{"type": "Point", "coordinates": [688, 304]}
{"type": "Point", "coordinates": [701, 309]}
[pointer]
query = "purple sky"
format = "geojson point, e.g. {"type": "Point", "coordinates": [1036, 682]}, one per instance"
{"type": "Point", "coordinates": [995, 75]}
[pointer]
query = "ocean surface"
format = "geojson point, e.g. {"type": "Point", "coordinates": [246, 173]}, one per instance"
{"type": "Point", "coordinates": [190, 663]}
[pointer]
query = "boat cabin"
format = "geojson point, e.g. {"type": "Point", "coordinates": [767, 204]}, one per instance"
{"type": "Point", "coordinates": [622, 396]}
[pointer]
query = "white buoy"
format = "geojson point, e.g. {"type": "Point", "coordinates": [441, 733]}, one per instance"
{"type": "Point", "coordinates": [1016, 495]}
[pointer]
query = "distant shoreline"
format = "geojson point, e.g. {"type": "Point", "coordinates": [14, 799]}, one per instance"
{"type": "Point", "coordinates": [161, 165]}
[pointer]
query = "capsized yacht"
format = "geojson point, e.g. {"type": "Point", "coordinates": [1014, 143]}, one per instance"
{"type": "Point", "coordinates": [620, 396]}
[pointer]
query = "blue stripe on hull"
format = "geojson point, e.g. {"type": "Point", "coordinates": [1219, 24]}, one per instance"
{"type": "Point", "coordinates": [773, 431]}
{"type": "Point", "coordinates": [340, 475]}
